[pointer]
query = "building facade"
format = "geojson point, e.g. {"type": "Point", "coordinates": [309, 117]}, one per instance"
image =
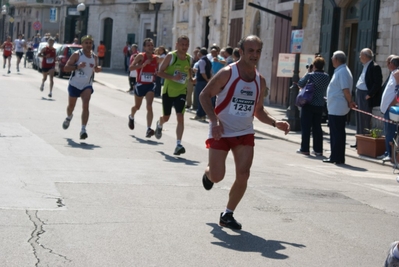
{"type": "Point", "coordinates": [331, 25]}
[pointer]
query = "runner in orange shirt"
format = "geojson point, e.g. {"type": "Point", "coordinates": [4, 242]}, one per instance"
{"type": "Point", "coordinates": [101, 53]}
{"type": "Point", "coordinates": [7, 47]}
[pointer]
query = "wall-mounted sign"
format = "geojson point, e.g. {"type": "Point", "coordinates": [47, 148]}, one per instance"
{"type": "Point", "coordinates": [53, 14]}
{"type": "Point", "coordinates": [72, 11]}
{"type": "Point", "coordinates": [286, 64]}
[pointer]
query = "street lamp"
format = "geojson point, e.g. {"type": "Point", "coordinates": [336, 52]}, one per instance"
{"type": "Point", "coordinates": [157, 5]}
{"type": "Point", "coordinates": [3, 12]}
{"type": "Point", "coordinates": [81, 8]}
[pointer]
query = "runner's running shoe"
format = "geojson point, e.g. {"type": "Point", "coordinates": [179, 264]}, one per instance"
{"type": "Point", "coordinates": [150, 132]}
{"type": "Point", "coordinates": [179, 150]}
{"type": "Point", "coordinates": [228, 221]}
{"type": "Point", "coordinates": [158, 131]}
{"type": "Point", "coordinates": [83, 134]}
{"type": "Point", "coordinates": [66, 122]}
{"type": "Point", "coordinates": [208, 184]}
{"type": "Point", "coordinates": [131, 123]}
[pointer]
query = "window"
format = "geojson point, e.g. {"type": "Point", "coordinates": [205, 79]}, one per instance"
{"type": "Point", "coordinates": [238, 5]}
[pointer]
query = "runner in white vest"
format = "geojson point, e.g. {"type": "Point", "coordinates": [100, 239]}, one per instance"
{"type": "Point", "coordinates": [239, 91]}
{"type": "Point", "coordinates": [83, 63]}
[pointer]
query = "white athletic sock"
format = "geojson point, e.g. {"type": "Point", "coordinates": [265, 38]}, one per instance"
{"type": "Point", "coordinates": [83, 127]}
{"type": "Point", "coordinates": [130, 116]}
{"type": "Point", "coordinates": [227, 211]}
{"type": "Point", "coordinates": [70, 117]}
{"type": "Point", "coordinates": [178, 142]}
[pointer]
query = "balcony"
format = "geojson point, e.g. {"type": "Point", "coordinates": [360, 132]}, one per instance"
{"type": "Point", "coordinates": [34, 2]}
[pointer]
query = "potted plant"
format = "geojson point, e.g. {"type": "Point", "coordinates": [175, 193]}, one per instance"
{"type": "Point", "coordinates": [371, 144]}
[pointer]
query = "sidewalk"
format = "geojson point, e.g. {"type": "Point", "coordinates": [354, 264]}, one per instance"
{"type": "Point", "coordinates": [118, 80]}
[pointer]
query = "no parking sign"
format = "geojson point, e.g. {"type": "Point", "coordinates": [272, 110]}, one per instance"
{"type": "Point", "coordinates": [37, 25]}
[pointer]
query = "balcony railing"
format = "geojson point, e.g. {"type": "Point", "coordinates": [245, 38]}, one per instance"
{"type": "Point", "coordinates": [34, 2]}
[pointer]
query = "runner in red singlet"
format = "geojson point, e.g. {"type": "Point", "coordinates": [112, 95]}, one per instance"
{"type": "Point", "coordinates": [7, 47]}
{"type": "Point", "coordinates": [146, 65]}
{"type": "Point", "coordinates": [48, 63]}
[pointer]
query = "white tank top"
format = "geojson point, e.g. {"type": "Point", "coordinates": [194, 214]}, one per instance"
{"type": "Point", "coordinates": [235, 104]}
{"type": "Point", "coordinates": [19, 45]}
{"type": "Point", "coordinates": [83, 78]}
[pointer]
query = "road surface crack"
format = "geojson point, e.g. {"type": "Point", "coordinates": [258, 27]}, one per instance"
{"type": "Point", "coordinates": [39, 250]}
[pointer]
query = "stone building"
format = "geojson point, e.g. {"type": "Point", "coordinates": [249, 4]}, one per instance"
{"type": "Point", "coordinates": [347, 25]}
{"type": "Point", "coordinates": [113, 21]}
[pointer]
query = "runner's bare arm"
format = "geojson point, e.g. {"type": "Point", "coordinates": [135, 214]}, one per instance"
{"type": "Point", "coordinates": [264, 116]}
{"type": "Point", "coordinates": [71, 64]}
{"type": "Point", "coordinates": [136, 64]}
{"type": "Point", "coordinates": [214, 87]}
{"type": "Point", "coordinates": [41, 54]}
{"type": "Point", "coordinates": [96, 67]}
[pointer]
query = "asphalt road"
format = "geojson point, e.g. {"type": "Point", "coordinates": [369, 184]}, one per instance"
{"type": "Point", "coordinates": [120, 199]}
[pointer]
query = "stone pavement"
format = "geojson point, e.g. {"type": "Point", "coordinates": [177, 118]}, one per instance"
{"type": "Point", "coordinates": [118, 80]}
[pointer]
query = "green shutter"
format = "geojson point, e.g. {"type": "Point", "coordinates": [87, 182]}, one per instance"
{"type": "Point", "coordinates": [329, 31]}
{"type": "Point", "coordinates": [367, 30]}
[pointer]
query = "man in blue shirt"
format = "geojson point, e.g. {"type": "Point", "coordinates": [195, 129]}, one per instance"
{"type": "Point", "coordinates": [217, 61]}
{"type": "Point", "coordinates": [339, 103]}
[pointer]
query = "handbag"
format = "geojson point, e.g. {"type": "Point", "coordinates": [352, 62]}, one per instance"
{"type": "Point", "coordinates": [306, 94]}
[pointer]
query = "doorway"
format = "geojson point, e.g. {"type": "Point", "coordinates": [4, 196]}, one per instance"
{"type": "Point", "coordinates": [350, 40]}
{"type": "Point", "coordinates": [108, 25]}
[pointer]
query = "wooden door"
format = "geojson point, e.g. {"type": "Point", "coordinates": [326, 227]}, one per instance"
{"type": "Point", "coordinates": [279, 87]}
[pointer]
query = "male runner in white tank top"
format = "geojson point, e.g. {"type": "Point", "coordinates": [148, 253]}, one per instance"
{"type": "Point", "coordinates": [239, 91]}
{"type": "Point", "coordinates": [83, 63]}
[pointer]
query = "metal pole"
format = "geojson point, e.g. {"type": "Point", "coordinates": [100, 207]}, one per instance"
{"type": "Point", "coordinates": [157, 7]}
{"type": "Point", "coordinates": [3, 27]}
{"type": "Point", "coordinates": [80, 25]}
{"type": "Point", "coordinates": [292, 114]}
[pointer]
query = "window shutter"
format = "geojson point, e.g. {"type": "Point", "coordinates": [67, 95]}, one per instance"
{"type": "Point", "coordinates": [367, 30]}
{"type": "Point", "coordinates": [329, 33]}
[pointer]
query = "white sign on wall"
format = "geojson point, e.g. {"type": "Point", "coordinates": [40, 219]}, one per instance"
{"type": "Point", "coordinates": [286, 64]}
{"type": "Point", "coordinates": [53, 14]}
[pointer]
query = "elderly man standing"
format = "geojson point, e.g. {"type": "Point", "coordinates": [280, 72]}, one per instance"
{"type": "Point", "coordinates": [368, 90]}
{"type": "Point", "coordinates": [339, 103]}
{"type": "Point", "coordinates": [388, 100]}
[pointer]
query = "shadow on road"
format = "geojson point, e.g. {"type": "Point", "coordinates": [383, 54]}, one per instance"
{"type": "Point", "coordinates": [81, 145]}
{"type": "Point", "coordinates": [247, 242]}
{"type": "Point", "coordinates": [352, 168]}
{"type": "Point", "coordinates": [48, 99]}
{"type": "Point", "coordinates": [146, 141]}
{"type": "Point", "coordinates": [177, 159]}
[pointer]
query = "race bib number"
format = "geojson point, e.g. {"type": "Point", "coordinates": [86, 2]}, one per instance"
{"type": "Point", "coordinates": [183, 79]}
{"type": "Point", "coordinates": [147, 77]}
{"type": "Point", "coordinates": [49, 60]}
{"type": "Point", "coordinates": [242, 107]}
{"type": "Point", "coordinates": [8, 49]}
{"type": "Point", "coordinates": [80, 73]}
